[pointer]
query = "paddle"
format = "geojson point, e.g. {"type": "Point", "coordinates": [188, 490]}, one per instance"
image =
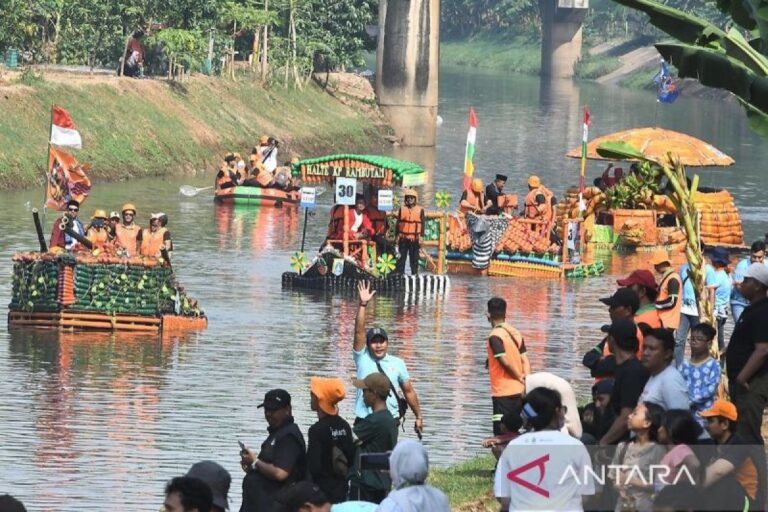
{"type": "Point", "coordinates": [190, 191]}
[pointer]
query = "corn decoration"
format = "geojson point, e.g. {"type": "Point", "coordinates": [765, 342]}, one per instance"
{"type": "Point", "coordinates": [385, 264]}
{"type": "Point", "coordinates": [299, 261]}
{"type": "Point", "coordinates": [442, 199]}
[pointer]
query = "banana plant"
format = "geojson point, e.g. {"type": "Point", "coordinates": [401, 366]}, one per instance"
{"type": "Point", "coordinates": [687, 214]}
{"type": "Point", "coordinates": [723, 59]}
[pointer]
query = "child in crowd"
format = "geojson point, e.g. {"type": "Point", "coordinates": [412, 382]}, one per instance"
{"type": "Point", "coordinates": [511, 423]}
{"type": "Point", "coordinates": [641, 452]}
{"type": "Point", "coordinates": [701, 372]}
{"type": "Point", "coordinates": [679, 431]}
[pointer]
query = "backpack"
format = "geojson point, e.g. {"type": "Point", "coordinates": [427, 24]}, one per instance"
{"type": "Point", "coordinates": [339, 462]}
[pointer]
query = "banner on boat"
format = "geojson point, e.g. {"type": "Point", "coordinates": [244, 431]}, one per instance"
{"type": "Point", "coordinates": [66, 180]}
{"type": "Point", "coordinates": [339, 170]}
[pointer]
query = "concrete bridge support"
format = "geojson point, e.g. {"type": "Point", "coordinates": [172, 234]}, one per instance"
{"type": "Point", "coordinates": [561, 36]}
{"type": "Point", "coordinates": [407, 66]}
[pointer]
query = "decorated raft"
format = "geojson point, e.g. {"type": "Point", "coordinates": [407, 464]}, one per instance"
{"type": "Point", "coordinates": [256, 196]}
{"type": "Point", "coordinates": [80, 291]}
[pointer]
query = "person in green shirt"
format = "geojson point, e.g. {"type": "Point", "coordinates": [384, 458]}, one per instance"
{"type": "Point", "coordinates": [376, 433]}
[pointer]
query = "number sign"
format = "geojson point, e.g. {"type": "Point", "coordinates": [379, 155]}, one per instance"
{"type": "Point", "coordinates": [346, 190]}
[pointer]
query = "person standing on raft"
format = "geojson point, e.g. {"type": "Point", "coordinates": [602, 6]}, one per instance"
{"type": "Point", "coordinates": [494, 190]}
{"type": "Point", "coordinates": [473, 199]}
{"type": "Point", "coordinates": [58, 237]}
{"type": "Point", "coordinates": [98, 232]}
{"type": "Point", "coordinates": [128, 233]}
{"type": "Point", "coordinates": [410, 230]}
{"type": "Point", "coordinates": [538, 202]}
{"type": "Point", "coordinates": [155, 238]}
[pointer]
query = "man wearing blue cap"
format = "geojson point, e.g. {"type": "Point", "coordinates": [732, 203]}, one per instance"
{"type": "Point", "coordinates": [370, 353]}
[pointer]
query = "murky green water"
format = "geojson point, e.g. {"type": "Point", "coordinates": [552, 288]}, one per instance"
{"type": "Point", "coordinates": [101, 421]}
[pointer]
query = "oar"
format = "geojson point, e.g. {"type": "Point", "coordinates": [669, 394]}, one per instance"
{"type": "Point", "coordinates": [190, 191]}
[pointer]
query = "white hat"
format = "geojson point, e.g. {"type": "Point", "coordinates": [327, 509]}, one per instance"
{"type": "Point", "coordinates": [758, 272]}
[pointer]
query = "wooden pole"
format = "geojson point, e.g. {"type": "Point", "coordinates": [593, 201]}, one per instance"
{"type": "Point", "coordinates": [47, 167]}
{"type": "Point", "coordinates": [441, 245]}
{"type": "Point", "coordinates": [264, 46]}
{"type": "Point", "coordinates": [345, 238]}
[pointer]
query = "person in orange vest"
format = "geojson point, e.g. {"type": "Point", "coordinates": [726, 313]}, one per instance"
{"type": "Point", "coordinates": [410, 229]}
{"type": "Point", "coordinates": [227, 175]}
{"type": "Point", "coordinates": [644, 284]}
{"type": "Point", "coordinates": [97, 231]}
{"type": "Point", "coordinates": [155, 238]}
{"type": "Point", "coordinates": [128, 233]}
{"type": "Point", "coordinates": [114, 220]}
{"type": "Point", "coordinates": [539, 201]}
{"type": "Point", "coordinates": [378, 220]}
{"type": "Point", "coordinates": [259, 175]}
{"type": "Point", "coordinates": [668, 301]}
{"type": "Point", "coordinates": [507, 363]}
{"type": "Point", "coordinates": [474, 200]}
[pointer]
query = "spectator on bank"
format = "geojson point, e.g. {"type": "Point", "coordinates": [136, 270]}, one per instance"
{"type": "Point", "coordinates": [308, 497]}
{"type": "Point", "coordinates": [644, 284]}
{"type": "Point", "coordinates": [747, 355]}
{"type": "Point", "coordinates": [636, 491]}
{"type": "Point", "coordinates": [187, 494]}
{"type": "Point", "coordinates": [409, 467]}
{"type": "Point", "coordinates": [511, 424]}
{"type": "Point", "coordinates": [507, 363]}
{"type": "Point", "coordinates": [376, 433]}
{"type": "Point", "coordinates": [622, 305]}
{"type": "Point", "coordinates": [701, 372]}
{"type": "Point", "coordinates": [596, 416]}
{"type": "Point", "coordinates": [679, 431]}
{"type": "Point", "coordinates": [721, 286]}
{"type": "Point", "coordinates": [733, 467]}
{"type": "Point", "coordinates": [689, 312]}
{"type": "Point", "coordinates": [10, 504]}
{"type": "Point", "coordinates": [330, 448]}
{"type": "Point", "coordinates": [665, 385]}
{"type": "Point", "coordinates": [370, 351]}
{"type": "Point", "coordinates": [682, 497]}
{"type": "Point", "coordinates": [134, 56]}
{"type": "Point", "coordinates": [282, 459]}
{"type": "Point", "coordinates": [559, 384]}
{"type": "Point", "coordinates": [545, 417]}
{"type": "Point", "coordinates": [630, 378]}
{"type": "Point", "coordinates": [217, 479]}
{"type": "Point", "coordinates": [738, 301]}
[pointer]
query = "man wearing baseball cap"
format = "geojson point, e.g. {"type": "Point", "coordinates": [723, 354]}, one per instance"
{"type": "Point", "coordinates": [282, 459]}
{"type": "Point", "coordinates": [747, 355]}
{"type": "Point", "coordinates": [330, 448]}
{"type": "Point", "coordinates": [370, 354]}
{"type": "Point", "coordinates": [733, 458]}
{"type": "Point", "coordinates": [670, 287]}
{"type": "Point", "coordinates": [644, 284]}
{"type": "Point", "coordinates": [376, 433]}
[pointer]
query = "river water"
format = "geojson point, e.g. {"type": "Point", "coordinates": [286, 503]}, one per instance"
{"type": "Point", "coordinates": [91, 422]}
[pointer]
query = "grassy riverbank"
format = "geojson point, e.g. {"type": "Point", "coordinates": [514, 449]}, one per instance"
{"type": "Point", "coordinates": [469, 485]}
{"type": "Point", "coordinates": [133, 128]}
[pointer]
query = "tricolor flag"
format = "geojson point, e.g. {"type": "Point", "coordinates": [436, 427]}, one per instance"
{"type": "Point", "coordinates": [63, 131]}
{"type": "Point", "coordinates": [469, 166]}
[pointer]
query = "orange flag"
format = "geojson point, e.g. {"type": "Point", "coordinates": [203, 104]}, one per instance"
{"type": "Point", "coordinates": [66, 180]}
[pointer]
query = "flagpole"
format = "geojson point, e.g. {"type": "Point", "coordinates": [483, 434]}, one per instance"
{"type": "Point", "coordinates": [47, 165]}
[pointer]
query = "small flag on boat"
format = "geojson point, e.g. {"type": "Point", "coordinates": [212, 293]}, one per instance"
{"type": "Point", "coordinates": [469, 166]}
{"type": "Point", "coordinates": [584, 140]}
{"type": "Point", "coordinates": [63, 131]}
{"type": "Point", "coordinates": [668, 91]}
{"type": "Point", "coordinates": [66, 179]}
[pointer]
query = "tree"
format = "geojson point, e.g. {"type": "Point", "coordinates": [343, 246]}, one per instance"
{"type": "Point", "coordinates": [720, 58]}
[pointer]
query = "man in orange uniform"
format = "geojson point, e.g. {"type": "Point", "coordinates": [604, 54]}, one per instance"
{"type": "Point", "coordinates": [155, 238]}
{"type": "Point", "coordinates": [538, 202]}
{"type": "Point", "coordinates": [97, 232]}
{"type": "Point", "coordinates": [378, 220]}
{"type": "Point", "coordinates": [507, 363]}
{"type": "Point", "coordinates": [128, 232]}
{"type": "Point", "coordinates": [410, 229]}
{"type": "Point", "coordinates": [644, 284]}
{"type": "Point", "coordinates": [473, 200]}
{"type": "Point", "coordinates": [668, 301]}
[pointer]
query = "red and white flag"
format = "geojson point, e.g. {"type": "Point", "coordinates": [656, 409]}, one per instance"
{"type": "Point", "coordinates": [63, 131]}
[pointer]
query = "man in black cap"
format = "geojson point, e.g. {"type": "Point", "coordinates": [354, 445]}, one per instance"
{"type": "Point", "coordinates": [217, 478]}
{"type": "Point", "coordinates": [630, 378]}
{"type": "Point", "coordinates": [282, 459]}
{"type": "Point", "coordinates": [494, 190]}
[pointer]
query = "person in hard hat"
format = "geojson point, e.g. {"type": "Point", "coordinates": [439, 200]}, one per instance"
{"type": "Point", "coordinates": [155, 238]}
{"type": "Point", "coordinates": [97, 231]}
{"type": "Point", "coordinates": [267, 152]}
{"type": "Point", "coordinates": [114, 220]}
{"type": "Point", "coordinates": [128, 233]}
{"type": "Point", "coordinates": [410, 230]}
{"type": "Point", "coordinates": [473, 200]}
{"type": "Point", "coordinates": [227, 175]}
{"type": "Point", "coordinates": [539, 203]}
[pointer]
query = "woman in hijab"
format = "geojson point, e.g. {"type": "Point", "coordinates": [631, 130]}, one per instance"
{"type": "Point", "coordinates": [408, 467]}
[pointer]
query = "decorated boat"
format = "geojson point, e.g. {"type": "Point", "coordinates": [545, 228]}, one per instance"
{"type": "Point", "coordinates": [342, 263]}
{"type": "Point", "coordinates": [256, 196]}
{"type": "Point", "coordinates": [632, 210]}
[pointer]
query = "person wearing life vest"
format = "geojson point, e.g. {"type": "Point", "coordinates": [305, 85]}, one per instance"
{"type": "Point", "coordinates": [154, 238]}
{"type": "Point", "coordinates": [360, 227]}
{"type": "Point", "coordinates": [644, 284]}
{"type": "Point", "coordinates": [227, 175]}
{"type": "Point", "coordinates": [507, 363]}
{"type": "Point", "coordinates": [538, 202]}
{"type": "Point", "coordinates": [473, 200]}
{"type": "Point", "coordinates": [259, 175]}
{"type": "Point", "coordinates": [97, 231]}
{"type": "Point", "coordinates": [58, 237]}
{"type": "Point", "coordinates": [410, 230]}
{"type": "Point", "coordinates": [128, 233]}
{"type": "Point", "coordinates": [378, 220]}
{"type": "Point", "coordinates": [668, 302]}
{"type": "Point", "coordinates": [114, 220]}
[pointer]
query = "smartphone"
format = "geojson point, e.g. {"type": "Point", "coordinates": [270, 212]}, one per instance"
{"type": "Point", "coordinates": [374, 461]}
{"type": "Point", "coordinates": [242, 445]}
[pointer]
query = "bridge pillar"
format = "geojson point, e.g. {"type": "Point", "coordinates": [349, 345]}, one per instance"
{"type": "Point", "coordinates": [406, 68]}
{"type": "Point", "coordinates": [561, 35]}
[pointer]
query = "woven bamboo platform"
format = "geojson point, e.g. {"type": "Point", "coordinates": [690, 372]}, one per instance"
{"type": "Point", "coordinates": [74, 320]}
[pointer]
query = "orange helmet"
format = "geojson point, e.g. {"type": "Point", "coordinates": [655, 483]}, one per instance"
{"type": "Point", "coordinates": [129, 206]}
{"type": "Point", "coordinates": [477, 185]}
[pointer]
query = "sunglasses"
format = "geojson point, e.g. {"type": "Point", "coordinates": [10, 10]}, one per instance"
{"type": "Point", "coordinates": [73, 209]}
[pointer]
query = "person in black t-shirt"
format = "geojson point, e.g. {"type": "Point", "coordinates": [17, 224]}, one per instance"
{"type": "Point", "coordinates": [281, 461]}
{"type": "Point", "coordinates": [331, 449]}
{"type": "Point", "coordinates": [630, 377]}
{"type": "Point", "coordinates": [747, 355]}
